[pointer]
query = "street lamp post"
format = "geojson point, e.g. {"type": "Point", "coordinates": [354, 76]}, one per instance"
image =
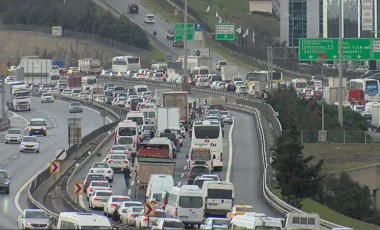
{"type": "Point", "coordinates": [184, 79]}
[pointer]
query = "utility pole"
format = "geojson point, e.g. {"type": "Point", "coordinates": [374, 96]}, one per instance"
{"type": "Point", "coordinates": [340, 96]}
{"type": "Point", "coordinates": [184, 79]}
{"type": "Point", "coordinates": [4, 114]}
{"type": "Point", "coordinates": [270, 67]}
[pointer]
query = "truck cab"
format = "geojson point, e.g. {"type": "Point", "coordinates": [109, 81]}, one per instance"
{"type": "Point", "coordinates": [18, 96]}
{"type": "Point", "coordinates": [220, 64]}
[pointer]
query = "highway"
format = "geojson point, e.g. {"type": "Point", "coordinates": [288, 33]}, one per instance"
{"type": "Point", "coordinates": [22, 166]}
{"type": "Point", "coordinates": [161, 25]}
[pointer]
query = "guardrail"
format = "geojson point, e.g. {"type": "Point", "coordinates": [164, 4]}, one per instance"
{"type": "Point", "coordinates": [45, 173]}
{"type": "Point", "coordinates": [5, 125]}
{"type": "Point", "coordinates": [256, 107]}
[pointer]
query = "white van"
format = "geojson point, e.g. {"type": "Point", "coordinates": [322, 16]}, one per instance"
{"type": "Point", "coordinates": [78, 220]}
{"type": "Point", "coordinates": [186, 204]}
{"type": "Point", "coordinates": [157, 185]}
{"type": "Point", "coordinates": [255, 221]}
{"type": "Point", "coordinates": [299, 84]}
{"type": "Point", "coordinates": [140, 88]}
{"type": "Point", "coordinates": [136, 116]}
{"type": "Point", "coordinates": [295, 221]}
{"type": "Point", "coordinates": [218, 196]}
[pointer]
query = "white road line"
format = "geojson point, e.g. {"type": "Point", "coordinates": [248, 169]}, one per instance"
{"type": "Point", "coordinates": [109, 120]}
{"type": "Point", "coordinates": [185, 167]}
{"type": "Point", "coordinates": [17, 197]}
{"type": "Point", "coordinates": [230, 151]}
{"type": "Point", "coordinates": [6, 162]}
{"type": "Point", "coordinates": [26, 121]}
{"type": "Point", "coordinates": [81, 203]}
{"type": "Point", "coordinates": [132, 183]}
{"type": "Point", "coordinates": [14, 156]}
{"type": "Point", "coordinates": [129, 192]}
{"type": "Point", "coordinates": [179, 184]}
{"type": "Point", "coordinates": [93, 110]}
{"type": "Point", "coordinates": [182, 174]}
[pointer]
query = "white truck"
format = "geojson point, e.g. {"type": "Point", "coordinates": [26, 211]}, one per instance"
{"type": "Point", "coordinates": [375, 111]}
{"type": "Point", "coordinates": [178, 99]}
{"type": "Point", "coordinates": [167, 118]}
{"type": "Point", "coordinates": [158, 96]}
{"type": "Point", "coordinates": [17, 96]}
{"type": "Point", "coordinates": [229, 72]}
{"type": "Point", "coordinates": [194, 61]}
{"type": "Point", "coordinates": [36, 70]}
{"type": "Point", "coordinates": [220, 64]}
{"type": "Point", "coordinates": [89, 66]}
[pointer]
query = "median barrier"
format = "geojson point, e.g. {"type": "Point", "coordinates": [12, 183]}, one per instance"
{"type": "Point", "coordinates": [5, 124]}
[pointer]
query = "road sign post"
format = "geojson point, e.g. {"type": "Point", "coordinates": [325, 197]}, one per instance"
{"type": "Point", "coordinates": [55, 167]}
{"type": "Point", "coordinates": [78, 189]}
{"type": "Point", "coordinates": [225, 31]}
{"type": "Point", "coordinates": [376, 49]}
{"type": "Point", "coordinates": [179, 31]}
{"type": "Point", "coordinates": [149, 210]}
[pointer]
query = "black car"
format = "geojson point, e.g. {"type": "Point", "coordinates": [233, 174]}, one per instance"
{"type": "Point", "coordinates": [231, 87]}
{"type": "Point", "coordinates": [196, 171]}
{"type": "Point", "coordinates": [133, 8]}
{"type": "Point", "coordinates": [135, 102]}
{"type": "Point", "coordinates": [5, 182]}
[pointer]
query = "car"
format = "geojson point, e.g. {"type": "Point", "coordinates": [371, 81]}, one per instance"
{"type": "Point", "coordinates": [112, 202]}
{"type": "Point", "coordinates": [13, 135]}
{"type": "Point", "coordinates": [241, 90]}
{"type": "Point", "coordinates": [183, 130]}
{"type": "Point", "coordinates": [129, 214]}
{"type": "Point", "coordinates": [126, 204]}
{"type": "Point", "coordinates": [85, 96]}
{"type": "Point", "coordinates": [118, 161]}
{"type": "Point", "coordinates": [169, 223]}
{"type": "Point", "coordinates": [220, 85]}
{"type": "Point", "coordinates": [133, 8]}
{"type": "Point", "coordinates": [230, 87]}
{"type": "Point", "coordinates": [99, 199]}
{"type": "Point", "coordinates": [33, 219]}
{"type": "Point", "coordinates": [104, 168]}
{"type": "Point", "coordinates": [213, 112]}
{"type": "Point", "coordinates": [240, 209]}
{"type": "Point", "coordinates": [118, 149]}
{"type": "Point", "coordinates": [30, 143]}
{"type": "Point", "coordinates": [214, 84]}
{"type": "Point", "coordinates": [97, 185]}
{"type": "Point", "coordinates": [146, 130]}
{"type": "Point", "coordinates": [170, 34]}
{"type": "Point", "coordinates": [66, 92]}
{"type": "Point", "coordinates": [227, 117]}
{"type": "Point", "coordinates": [100, 99]}
{"type": "Point", "coordinates": [47, 97]}
{"type": "Point", "coordinates": [143, 221]}
{"type": "Point", "coordinates": [119, 101]}
{"type": "Point", "coordinates": [149, 18]}
{"type": "Point", "coordinates": [216, 223]}
{"type": "Point", "coordinates": [212, 176]}
{"type": "Point", "coordinates": [37, 126]}
{"type": "Point", "coordinates": [75, 107]}
{"type": "Point", "coordinates": [5, 181]}
{"type": "Point", "coordinates": [178, 44]}
{"type": "Point", "coordinates": [200, 180]}
{"type": "Point", "coordinates": [91, 177]}
{"type": "Point", "coordinates": [197, 170]}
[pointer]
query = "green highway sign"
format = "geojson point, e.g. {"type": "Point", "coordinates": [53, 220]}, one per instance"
{"type": "Point", "coordinates": [376, 49]}
{"type": "Point", "coordinates": [179, 31]}
{"type": "Point", "coordinates": [225, 31]}
{"type": "Point", "coordinates": [313, 49]}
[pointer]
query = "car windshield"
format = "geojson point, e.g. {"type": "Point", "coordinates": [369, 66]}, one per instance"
{"type": "Point", "coordinates": [224, 113]}
{"type": "Point", "coordinates": [46, 94]}
{"type": "Point", "coordinates": [3, 175]}
{"type": "Point", "coordinates": [199, 170]}
{"type": "Point", "coordinates": [147, 127]}
{"type": "Point", "coordinates": [174, 224]}
{"type": "Point", "coordinates": [35, 215]}
{"type": "Point", "coordinates": [96, 177]}
{"type": "Point", "coordinates": [95, 227]}
{"type": "Point", "coordinates": [137, 209]}
{"type": "Point", "coordinates": [118, 157]}
{"type": "Point", "coordinates": [14, 131]}
{"type": "Point", "coordinates": [119, 148]}
{"type": "Point", "coordinates": [220, 222]}
{"type": "Point", "coordinates": [99, 183]}
{"type": "Point", "coordinates": [29, 139]}
{"type": "Point", "coordinates": [125, 140]}
{"type": "Point", "coordinates": [120, 199]}
{"type": "Point", "coordinates": [170, 136]}
{"type": "Point", "coordinates": [100, 165]}
{"type": "Point", "coordinates": [75, 104]}
{"type": "Point", "coordinates": [129, 204]}
{"type": "Point", "coordinates": [244, 209]}
{"type": "Point", "coordinates": [190, 202]}
{"type": "Point", "coordinates": [102, 193]}
{"type": "Point", "coordinates": [127, 131]}
{"type": "Point", "coordinates": [37, 123]}
{"type": "Point", "coordinates": [160, 214]}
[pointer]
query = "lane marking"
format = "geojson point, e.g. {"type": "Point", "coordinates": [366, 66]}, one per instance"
{"type": "Point", "coordinates": [81, 203]}
{"type": "Point", "coordinates": [179, 184]}
{"type": "Point", "coordinates": [6, 162]}
{"type": "Point", "coordinates": [14, 156]}
{"type": "Point", "coordinates": [17, 115]}
{"type": "Point", "coordinates": [132, 183]}
{"type": "Point", "coordinates": [182, 174]}
{"type": "Point", "coordinates": [129, 192]}
{"type": "Point", "coordinates": [230, 151]}
{"type": "Point", "coordinates": [185, 167]}
{"type": "Point", "coordinates": [93, 110]}
{"type": "Point", "coordinates": [109, 120]}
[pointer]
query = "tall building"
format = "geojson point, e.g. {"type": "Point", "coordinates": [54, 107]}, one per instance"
{"type": "Point", "coordinates": [302, 19]}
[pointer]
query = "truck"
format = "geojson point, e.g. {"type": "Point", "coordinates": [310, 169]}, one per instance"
{"type": "Point", "coordinates": [178, 99]}
{"type": "Point", "coordinates": [220, 64]}
{"type": "Point", "coordinates": [96, 90]}
{"type": "Point", "coordinates": [167, 118]}
{"type": "Point", "coordinates": [229, 72]}
{"type": "Point", "coordinates": [158, 96]}
{"type": "Point", "coordinates": [17, 96]}
{"type": "Point", "coordinates": [74, 82]}
{"type": "Point", "coordinates": [194, 61]}
{"type": "Point", "coordinates": [58, 62]}
{"type": "Point", "coordinates": [89, 66]}
{"type": "Point", "coordinates": [375, 111]}
{"type": "Point", "coordinates": [217, 102]}
{"type": "Point", "coordinates": [36, 70]}
{"type": "Point", "coordinates": [147, 166]}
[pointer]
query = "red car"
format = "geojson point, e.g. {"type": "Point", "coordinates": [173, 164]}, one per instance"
{"type": "Point", "coordinates": [170, 34]}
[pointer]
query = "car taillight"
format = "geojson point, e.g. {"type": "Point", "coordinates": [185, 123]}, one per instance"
{"type": "Point", "coordinates": [109, 162]}
{"type": "Point", "coordinates": [221, 156]}
{"type": "Point", "coordinates": [113, 205]}
{"type": "Point", "coordinates": [96, 199]}
{"type": "Point", "coordinates": [132, 215]}
{"type": "Point", "coordinates": [125, 162]}
{"type": "Point", "coordinates": [91, 189]}
{"type": "Point", "coordinates": [145, 219]}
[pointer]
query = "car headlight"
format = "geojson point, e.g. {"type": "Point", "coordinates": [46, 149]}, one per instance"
{"type": "Point", "coordinates": [22, 145]}
{"type": "Point", "coordinates": [28, 223]}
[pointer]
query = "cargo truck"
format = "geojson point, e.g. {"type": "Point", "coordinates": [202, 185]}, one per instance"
{"type": "Point", "coordinates": [178, 99]}
{"type": "Point", "coordinates": [89, 66]}
{"type": "Point", "coordinates": [17, 96]}
{"type": "Point", "coordinates": [74, 82]}
{"type": "Point", "coordinates": [167, 118]}
{"type": "Point", "coordinates": [158, 96]}
{"type": "Point", "coordinates": [196, 61]}
{"type": "Point", "coordinates": [36, 70]}
{"type": "Point", "coordinates": [228, 73]}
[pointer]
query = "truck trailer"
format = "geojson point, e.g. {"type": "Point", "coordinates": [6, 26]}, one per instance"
{"type": "Point", "coordinates": [89, 66]}
{"type": "Point", "coordinates": [36, 70]}
{"type": "Point", "coordinates": [167, 118]}
{"type": "Point", "coordinates": [178, 99]}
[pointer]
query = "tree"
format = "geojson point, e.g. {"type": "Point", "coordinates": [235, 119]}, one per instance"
{"type": "Point", "coordinates": [294, 174]}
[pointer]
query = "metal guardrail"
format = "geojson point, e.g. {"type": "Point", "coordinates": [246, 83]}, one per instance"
{"type": "Point", "coordinates": [41, 176]}
{"type": "Point", "coordinates": [5, 125]}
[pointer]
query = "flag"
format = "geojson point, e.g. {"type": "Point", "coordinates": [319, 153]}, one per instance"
{"type": "Point", "coordinates": [216, 14]}
{"type": "Point", "coordinates": [220, 20]}
{"type": "Point", "coordinates": [208, 8]}
{"type": "Point", "coordinates": [253, 36]}
{"type": "Point", "coordinates": [238, 30]}
{"type": "Point", "coordinates": [245, 33]}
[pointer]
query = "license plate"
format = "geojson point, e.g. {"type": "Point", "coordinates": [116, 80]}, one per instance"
{"type": "Point", "coordinates": [99, 171]}
{"type": "Point", "coordinates": [117, 162]}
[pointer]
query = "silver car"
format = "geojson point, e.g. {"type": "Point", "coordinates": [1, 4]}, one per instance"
{"type": "Point", "coordinates": [13, 136]}
{"type": "Point", "coordinates": [227, 116]}
{"type": "Point", "coordinates": [33, 219]}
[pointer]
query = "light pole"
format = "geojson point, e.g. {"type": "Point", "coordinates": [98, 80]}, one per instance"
{"type": "Point", "coordinates": [184, 79]}
{"type": "Point", "coordinates": [340, 96]}
{"type": "Point", "coordinates": [323, 100]}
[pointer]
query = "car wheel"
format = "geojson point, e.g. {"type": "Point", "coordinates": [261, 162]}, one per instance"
{"type": "Point", "coordinates": [7, 191]}
{"type": "Point", "coordinates": [6, 142]}
{"type": "Point", "coordinates": [38, 151]}
{"type": "Point", "coordinates": [20, 150]}
{"type": "Point", "coordinates": [111, 179]}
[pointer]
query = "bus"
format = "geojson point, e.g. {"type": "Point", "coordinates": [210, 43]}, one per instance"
{"type": "Point", "coordinates": [264, 76]}
{"type": "Point", "coordinates": [370, 88]}
{"type": "Point", "coordinates": [122, 64]}
{"type": "Point", "coordinates": [209, 134]}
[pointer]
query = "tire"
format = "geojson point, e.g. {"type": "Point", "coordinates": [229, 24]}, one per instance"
{"type": "Point", "coordinates": [7, 191]}
{"type": "Point", "coordinates": [44, 134]}
{"type": "Point", "coordinates": [20, 151]}
{"type": "Point", "coordinates": [111, 179]}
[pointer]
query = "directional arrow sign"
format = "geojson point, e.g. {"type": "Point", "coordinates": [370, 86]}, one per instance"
{"type": "Point", "coordinates": [55, 167]}
{"type": "Point", "coordinates": [149, 210]}
{"type": "Point", "coordinates": [78, 188]}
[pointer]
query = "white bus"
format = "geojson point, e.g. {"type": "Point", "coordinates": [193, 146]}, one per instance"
{"type": "Point", "coordinates": [218, 196]}
{"type": "Point", "coordinates": [78, 220]}
{"type": "Point", "coordinates": [186, 204]}
{"type": "Point", "coordinates": [122, 64]}
{"type": "Point", "coordinates": [370, 88]}
{"type": "Point", "coordinates": [209, 134]}
{"type": "Point", "coordinates": [256, 221]}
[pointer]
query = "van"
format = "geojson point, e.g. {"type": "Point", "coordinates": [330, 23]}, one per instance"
{"type": "Point", "coordinates": [299, 84]}
{"type": "Point", "coordinates": [304, 221]}
{"type": "Point", "coordinates": [255, 221]}
{"type": "Point", "coordinates": [140, 88]}
{"type": "Point", "coordinates": [37, 126]}
{"type": "Point", "coordinates": [78, 220]}
{"type": "Point", "coordinates": [186, 204]}
{"type": "Point", "coordinates": [218, 197]}
{"type": "Point", "coordinates": [137, 117]}
{"type": "Point", "coordinates": [201, 70]}
{"type": "Point", "coordinates": [157, 185]}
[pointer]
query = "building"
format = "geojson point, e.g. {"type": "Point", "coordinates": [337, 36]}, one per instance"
{"type": "Point", "coordinates": [302, 19]}
{"type": "Point", "coordinates": [264, 6]}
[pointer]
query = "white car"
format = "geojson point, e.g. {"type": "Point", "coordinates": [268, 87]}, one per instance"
{"type": "Point", "coordinates": [99, 199]}
{"type": "Point", "coordinates": [96, 185]}
{"type": "Point", "coordinates": [183, 130]}
{"type": "Point", "coordinates": [118, 161]}
{"type": "Point", "coordinates": [149, 18]}
{"type": "Point", "coordinates": [128, 215]}
{"type": "Point", "coordinates": [214, 84]}
{"type": "Point", "coordinates": [104, 168]}
{"type": "Point", "coordinates": [220, 85]}
{"type": "Point", "coordinates": [66, 92]}
{"type": "Point", "coordinates": [112, 202]}
{"type": "Point", "coordinates": [100, 99]}
{"type": "Point", "coordinates": [30, 144]}
{"type": "Point", "coordinates": [241, 90]}
{"type": "Point", "coordinates": [118, 149]}
{"type": "Point", "coordinates": [127, 204]}
{"type": "Point", "coordinates": [47, 97]}
{"type": "Point", "coordinates": [30, 218]}
{"type": "Point", "coordinates": [13, 135]}
{"type": "Point", "coordinates": [143, 222]}
{"type": "Point", "coordinates": [216, 223]}
{"type": "Point", "coordinates": [119, 101]}
{"type": "Point", "coordinates": [169, 223]}
{"type": "Point", "coordinates": [85, 96]}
